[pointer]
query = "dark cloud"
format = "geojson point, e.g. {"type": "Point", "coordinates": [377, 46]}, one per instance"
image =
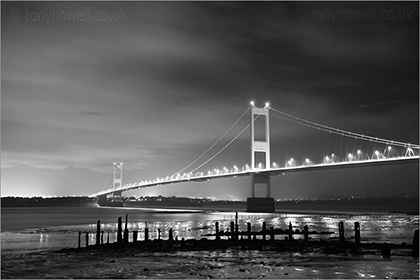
{"type": "Point", "coordinates": [155, 90]}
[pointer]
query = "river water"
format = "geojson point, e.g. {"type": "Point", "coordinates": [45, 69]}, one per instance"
{"type": "Point", "coordinates": [40, 228]}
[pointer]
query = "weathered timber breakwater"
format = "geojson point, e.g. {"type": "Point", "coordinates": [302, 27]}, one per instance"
{"type": "Point", "coordinates": [271, 239]}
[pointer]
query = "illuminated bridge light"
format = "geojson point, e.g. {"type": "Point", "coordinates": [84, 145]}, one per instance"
{"type": "Point", "coordinates": [387, 152]}
{"type": "Point", "coordinates": [409, 152]}
{"type": "Point", "coordinates": [290, 163]}
{"type": "Point", "coordinates": [307, 162]}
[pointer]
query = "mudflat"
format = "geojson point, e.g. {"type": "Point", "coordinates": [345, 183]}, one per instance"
{"type": "Point", "coordinates": [317, 260]}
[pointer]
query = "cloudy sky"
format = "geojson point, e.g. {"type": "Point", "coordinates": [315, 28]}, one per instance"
{"type": "Point", "coordinates": [154, 84]}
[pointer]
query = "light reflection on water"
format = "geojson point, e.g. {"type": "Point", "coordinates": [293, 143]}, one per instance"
{"type": "Point", "coordinates": [378, 228]}
{"type": "Point", "coordinates": [43, 237]}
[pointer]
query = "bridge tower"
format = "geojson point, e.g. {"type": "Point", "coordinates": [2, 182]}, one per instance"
{"type": "Point", "coordinates": [117, 182]}
{"type": "Point", "coordinates": [261, 146]}
{"type": "Point", "coordinates": [114, 198]}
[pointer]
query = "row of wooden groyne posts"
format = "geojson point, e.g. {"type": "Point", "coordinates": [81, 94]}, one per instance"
{"type": "Point", "coordinates": [235, 237]}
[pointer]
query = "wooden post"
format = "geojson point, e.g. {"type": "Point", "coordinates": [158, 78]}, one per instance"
{"type": "Point", "coordinates": [341, 231]}
{"type": "Point", "coordinates": [305, 232]}
{"type": "Point", "coordinates": [134, 236]}
{"type": "Point", "coordinates": [248, 225]}
{"type": "Point", "coordinates": [119, 232]}
{"type": "Point", "coordinates": [386, 250]}
{"type": "Point", "coordinates": [415, 245]}
{"type": "Point", "coordinates": [264, 228]}
{"type": "Point", "coordinates": [272, 234]}
{"type": "Point", "coordinates": [87, 239]}
{"type": "Point", "coordinates": [146, 234]}
{"type": "Point", "coordinates": [107, 238]}
{"type": "Point", "coordinates": [126, 229]}
{"type": "Point", "coordinates": [236, 226]}
{"type": "Point", "coordinates": [98, 233]}
{"type": "Point", "coordinates": [158, 233]}
{"type": "Point", "coordinates": [102, 237]}
{"type": "Point", "coordinates": [290, 231]}
{"type": "Point", "coordinates": [171, 237]}
{"type": "Point", "coordinates": [357, 233]}
{"type": "Point", "coordinates": [232, 230]}
{"type": "Point", "coordinates": [217, 231]}
{"type": "Point", "coordinates": [78, 243]}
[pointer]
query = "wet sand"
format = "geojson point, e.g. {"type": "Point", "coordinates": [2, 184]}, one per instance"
{"type": "Point", "coordinates": [236, 261]}
{"type": "Point", "coordinates": [132, 262]}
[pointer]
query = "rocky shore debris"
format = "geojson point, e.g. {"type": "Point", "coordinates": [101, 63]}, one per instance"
{"type": "Point", "coordinates": [247, 240]}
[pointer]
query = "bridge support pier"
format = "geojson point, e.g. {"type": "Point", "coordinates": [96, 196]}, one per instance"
{"type": "Point", "coordinates": [114, 199]}
{"type": "Point", "coordinates": [117, 195]}
{"type": "Point", "coordinates": [260, 204]}
{"type": "Point", "coordinates": [261, 179]}
{"type": "Point", "coordinates": [102, 199]}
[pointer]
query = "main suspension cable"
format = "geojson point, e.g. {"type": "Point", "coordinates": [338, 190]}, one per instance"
{"type": "Point", "coordinates": [215, 143]}
{"type": "Point", "coordinates": [342, 132]}
{"type": "Point", "coordinates": [221, 150]}
{"type": "Point", "coordinates": [107, 181]}
{"type": "Point", "coordinates": [227, 145]}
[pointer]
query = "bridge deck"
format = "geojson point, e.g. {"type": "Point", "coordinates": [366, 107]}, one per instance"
{"type": "Point", "coordinates": [271, 171]}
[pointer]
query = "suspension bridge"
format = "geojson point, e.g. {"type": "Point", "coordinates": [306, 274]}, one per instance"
{"type": "Point", "coordinates": [261, 168]}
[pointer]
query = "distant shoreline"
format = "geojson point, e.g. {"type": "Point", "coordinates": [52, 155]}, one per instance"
{"type": "Point", "coordinates": [354, 206]}
{"type": "Point", "coordinates": [186, 209]}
